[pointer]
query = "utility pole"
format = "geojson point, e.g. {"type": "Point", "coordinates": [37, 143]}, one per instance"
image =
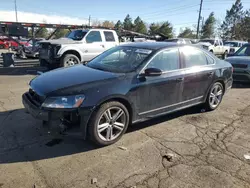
{"type": "Point", "coordinates": [16, 11]}
{"type": "Point", "coordinates": [199, 18]}
{"type": "Point", "coordinates": [89, 20]}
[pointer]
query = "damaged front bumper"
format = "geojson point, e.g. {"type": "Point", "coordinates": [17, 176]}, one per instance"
{"type": "Point", "coordinates": [48, 115]}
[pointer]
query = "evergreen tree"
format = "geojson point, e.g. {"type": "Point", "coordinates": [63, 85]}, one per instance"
{"type": "Point", "coordinates": [127, 24]}
{"type": "Point", "coordinates": [187, 33]}
{"type": "Point", "coordinates": [139, 26]}
{"type": "Point", "coordinates": [154, 28]}
{"type": "Point", "coordinates": [231, 26]}
{"type": "Point", "coordinates": [166, 29]}
{"type": "Point", "coordinates": [208, 28]}
{"type": "Point", "coordinates": [118, 25]}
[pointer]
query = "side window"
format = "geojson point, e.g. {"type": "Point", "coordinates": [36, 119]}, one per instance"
{"type": "Point", "coordinates": [166, 60]}
{"type": "Point", "coordinates": [94, 36]}
{"type": "Point", "coordinates": [193, 57]}
{"type": "Point", "coordinates": [109, 36]}
{"type": "Point", "coordinates": [210, 60]}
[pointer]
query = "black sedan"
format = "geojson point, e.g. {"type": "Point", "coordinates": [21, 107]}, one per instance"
{"type": "Point", "coordinates": [127, 84]}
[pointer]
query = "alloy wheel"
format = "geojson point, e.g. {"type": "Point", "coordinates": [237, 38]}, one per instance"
{"type": "Point", "coordinates": [111, 123]}
{"type": "Point", "coordinates": [215, 96]}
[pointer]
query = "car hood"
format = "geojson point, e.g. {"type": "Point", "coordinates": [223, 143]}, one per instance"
{"type": "Point", "coordinates": [239, 59]}
{"type": "Point", "coordinates": [65, 78]}
{"type": "Point", "coordinates": [60, 41]}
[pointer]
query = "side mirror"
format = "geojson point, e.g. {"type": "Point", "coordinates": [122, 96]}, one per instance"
{"type": "Point", "coordinates": [215, 44]}
{"type": "Point", "coordinates": [152, 72]}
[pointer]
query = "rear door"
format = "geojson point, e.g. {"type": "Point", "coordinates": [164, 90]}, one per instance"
{"type": "Point", "coordinates": [199, 74]}
{"type": "Point", "coordinates": [158, 94]}
{"type": "Point", "coordinates": [110, 39]}
{"type": "Point", "coordinates": [94, 45]}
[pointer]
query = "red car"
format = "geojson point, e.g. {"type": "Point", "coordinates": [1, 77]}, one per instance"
{"type": "Point", "coordinates": [7, 43]}
{"type": "Point", "coordinates": [3, 44]}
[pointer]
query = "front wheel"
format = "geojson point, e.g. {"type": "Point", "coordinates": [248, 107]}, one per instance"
{"type": "Point", "coordinates": [108, 123]}
{"type": "Point", "coordinates": [225, 55]}
{"type": "Point", "coordinates": [69, 60]}
{"type": "Point", "coordinates": [215, 96]}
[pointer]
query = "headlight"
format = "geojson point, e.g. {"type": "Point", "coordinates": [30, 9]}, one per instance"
{"type": "Point", "coordinates": [64, 102]}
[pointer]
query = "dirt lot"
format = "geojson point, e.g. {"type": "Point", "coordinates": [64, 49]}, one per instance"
{"type": "Point", "coordinates": [186, 149]}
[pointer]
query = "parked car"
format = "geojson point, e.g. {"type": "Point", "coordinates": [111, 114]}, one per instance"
{"type": "Point", "coordinates": [234, 45]}
{"type": "Point", "coordinates": [215, 46]}
{"type": "Point", "coordinates": [3, 44]}
{"type": "Point", "coordinates": [127, 84]}
{"type": "Point", "coordinates": [241, 63]}
{"type": "Point", "coordinates": [78, 46]}
{"type": "Point", "coordinates": [179, 40]}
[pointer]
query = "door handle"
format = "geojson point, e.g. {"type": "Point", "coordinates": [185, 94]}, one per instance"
{"type": "Point", "coordinates": [102, 45]}
{"type": "Point", "coordinates": [179, 79]}
{"type": "Point", "coordinates": [210, 74]}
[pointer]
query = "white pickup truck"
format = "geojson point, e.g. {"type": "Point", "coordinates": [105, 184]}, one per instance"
{"type": "Point", "coordinates": [78, 46]}
{"type": "Point", "coordinates": [215, 46]}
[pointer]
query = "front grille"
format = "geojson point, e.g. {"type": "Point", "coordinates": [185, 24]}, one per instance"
{"type": "Point", "coordinates": [37, 99]}
{"type": "Point", "coordinates": [242, 66]}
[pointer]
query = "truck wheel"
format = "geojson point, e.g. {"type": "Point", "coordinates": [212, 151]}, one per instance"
{"type": "Point", "coordinates": [69, 60]}
{"type": "Point", "coordinates": [108, 123]}
{"type": "Point", "coordinates": [225, 55]}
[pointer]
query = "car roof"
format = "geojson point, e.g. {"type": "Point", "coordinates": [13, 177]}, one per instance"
{"type": "Point", "coordinates": [152, 45]}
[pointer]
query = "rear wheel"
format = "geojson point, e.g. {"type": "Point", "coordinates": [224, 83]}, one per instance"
{"type": "Point", "coordinates": [69, 60]}
{"type": "Point", "coordinates": [108, 123]}
{"type": "Point", "coordinates": [215, 96]}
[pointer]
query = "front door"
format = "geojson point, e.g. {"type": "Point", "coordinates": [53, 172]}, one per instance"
{"type": "Point", "coordinates": [94, 45]}
{"type": "Point", "coordinates": [157, 94]}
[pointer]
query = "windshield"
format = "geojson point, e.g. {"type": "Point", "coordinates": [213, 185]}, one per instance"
{"type": "Point", "coordinates": [209, 41]}
{"type": "Point", "coordinates": [231, 44]}
{"type": "Point", "coordinates": [243, 51]}
{"type": "Point", "coordinates": [76, 35]}
{"type": "Point", "coordinates": [120, 59]}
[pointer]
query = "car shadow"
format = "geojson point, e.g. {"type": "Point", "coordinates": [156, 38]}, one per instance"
{"type": "Point", "coordinates": [23, 139]}
{"type": "Point", "coordinates": [29, 70]}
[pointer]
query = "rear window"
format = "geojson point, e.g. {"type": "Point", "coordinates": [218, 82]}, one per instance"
{"type": "Point", "coordinates": [109, 36]}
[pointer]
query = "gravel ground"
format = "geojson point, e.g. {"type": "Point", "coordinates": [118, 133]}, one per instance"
{"type": "Point", "coordinates": [190, 148]}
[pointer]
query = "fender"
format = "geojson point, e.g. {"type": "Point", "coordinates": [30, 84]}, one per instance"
{"type": "Point", "coordinates": [74, 47]}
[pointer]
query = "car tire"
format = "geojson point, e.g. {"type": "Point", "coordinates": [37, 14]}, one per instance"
{"type": "Point", "coordinates": [225, 55]}
{"type": "Point", "coordinates": [2, 46]}
{"type": "Point", "coordinates": [214, 96]}
{"type": "Point", "coordinates": [69, 60]}
{"type": "Point", "coordinates": [104, 130]}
